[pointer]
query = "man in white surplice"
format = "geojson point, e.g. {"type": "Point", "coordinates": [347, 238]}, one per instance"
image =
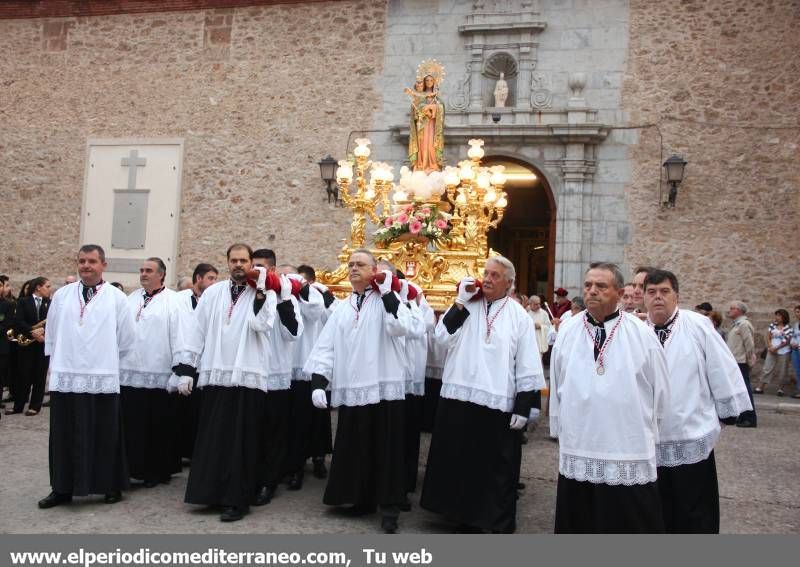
{"type": "Point", "coordinates": [490, 378]}
{"type": "Point", "coordinates": [703, 370]}
{"type": "Point", "coordinates": [234, 320]}
{"type": "Point", "coordinates": [361, 355]}
{"type": "Point", "coordinates": [89, 327]}
{"type": "Point", "coordinates": [609, 389]}
{"type": "Point", "coordinates": [149, 410]}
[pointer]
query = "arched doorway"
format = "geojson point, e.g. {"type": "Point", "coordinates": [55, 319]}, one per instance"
{"type": "Point", "coordinates": [526, 236]}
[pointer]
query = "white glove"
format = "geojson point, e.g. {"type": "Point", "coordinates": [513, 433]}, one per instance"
{"type": "Point", "coordinates": [518, 421]}
{"type": "Point", "coordinates": [465, 296]}
{"type": "Point", "coordinates": [286, 288]}
{"type": "Point", "coordinates": [320, 287]}
{"type": "Point", "coordinates": [261, 282]}
{"type": "Point", "coordinates": [404, 291]}
{"type": "Point", "coordinates": [386, 286]}
{"type": "Point", "coordinates": [185, 385]}
{"type": "Point", "coordinates": [297, 278]}
{"type": "Point", "coordinates": [319, 399]}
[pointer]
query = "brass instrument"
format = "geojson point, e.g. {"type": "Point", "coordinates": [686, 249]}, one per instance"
{"type": "Point", "coordinates": [20, 338]}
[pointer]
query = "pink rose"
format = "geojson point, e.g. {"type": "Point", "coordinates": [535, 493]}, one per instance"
{"type": "Point", "coordinates": [426, 212]}
{"type": "Point", "coordinates": [402, 218]}
{"type": "Point", "coordinates": [441, 224]}
{"type": "Point", "coordinates": [408, 209]}
{"type": "Point", "coordinates": [415, 227]}
{"type": "Point", "coordinates": [388, 222]}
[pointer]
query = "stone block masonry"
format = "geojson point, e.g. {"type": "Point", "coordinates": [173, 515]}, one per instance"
{"type": "Point", "coordinates": [258, 94]}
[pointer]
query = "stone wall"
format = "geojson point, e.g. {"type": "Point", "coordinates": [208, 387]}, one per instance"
{"type": "Point", "coordinates": [721, 80]}
{"type": "Point", "coordinates": [259, 94]}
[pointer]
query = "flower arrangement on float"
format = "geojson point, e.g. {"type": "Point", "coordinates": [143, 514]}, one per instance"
{"type": "Point", "coordinates": [416, 213]}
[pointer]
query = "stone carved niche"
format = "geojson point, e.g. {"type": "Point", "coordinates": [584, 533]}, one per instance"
{"type": "Point", "coordinates": [493, 67]}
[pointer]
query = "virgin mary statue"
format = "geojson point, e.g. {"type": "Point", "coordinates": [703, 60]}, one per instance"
{"type": "Point", "coordinates": [426, 136]}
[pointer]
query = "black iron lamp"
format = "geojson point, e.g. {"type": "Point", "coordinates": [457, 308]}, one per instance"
{"type": "Point", "coordinates": [327, 170]}
{"type": "Point", "coordinates": [674, 167]}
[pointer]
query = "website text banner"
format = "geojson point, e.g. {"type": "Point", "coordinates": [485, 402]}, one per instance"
{"type": "Point", "coordinates": [393, 551]}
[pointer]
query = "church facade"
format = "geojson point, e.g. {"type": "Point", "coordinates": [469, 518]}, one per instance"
{"type": "Point", "coordinates": [177, 132]}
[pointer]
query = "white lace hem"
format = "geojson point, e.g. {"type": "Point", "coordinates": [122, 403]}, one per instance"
{"type": "Point", "coordinates": [74, 383]}
{"type": "Point", "coordinates": [601, 471]}
{"type": "Point", "coordinates": [476, 396]}
{"type": "Point", "coordinates": [415, 388]}
{"type": "Point", "coordinates": [368, 394]}
{"type": "Point", "coordinates": [677, 453]}
{"type": "Point", "coordinates": [733, 406]}
{"type": "Point", "coordinates": [227, 379]}
{"type": "Point", "coordinates": [186, 357]}
{"type": "Point", "coordinates": [433, 372]}
{"type": "Point", "coordinates": [279, 381]}
{"type": "Point", "coordinates": [300, 376]}
{"type": "Point", "coordinates": [150, 380]}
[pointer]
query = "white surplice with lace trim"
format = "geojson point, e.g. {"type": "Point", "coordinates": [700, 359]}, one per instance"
{"type": "Point", "coordinates": [84, 358]}
{"type": "Point", "coordinates": [363, 358]}
{"type": "Point", "coordinates": [314, 314]}
{"type": "Point", "coordinates": [235, 351]}
{"type": "Point", "coordinates": [161, 332]}
{"type": "Point", "coordinates": [608, 425]}
{"type": "Point", "coordinates": [704, 372]}
{"type": "Point", "coordinates": [282, 345]}
{"type": "Point", "coordinates": [491, 374]}
{"type": "Point", "coordinates": [417, 348]}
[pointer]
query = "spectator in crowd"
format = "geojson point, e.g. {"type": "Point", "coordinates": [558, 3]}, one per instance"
{"type": "Point", "coordinates": [716, 320]}
{"type": "Point", "coordinates": [795, 344]}
{"type": "Point", "coordinates": [119, 286]}
{"type": "Point", "coordinates": [740, 341]}
{"type": "Point", "coordinates": [184, 282]}
{"type": "Point", "coordinates": [776, 365]}
{"type": "Point", "coordinates": [562, 304]}
{"type": "Point", "coordinates": [628, 303]}
{"type": "Point", "coordinates": [704, 308]}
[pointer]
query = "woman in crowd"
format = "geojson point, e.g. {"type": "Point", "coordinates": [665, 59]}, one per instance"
{"type": "Point", "coordinates": [776, 365]}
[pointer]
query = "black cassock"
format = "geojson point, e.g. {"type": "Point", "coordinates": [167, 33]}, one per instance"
{"type": "Point", "coordinates": [368, 464]}
{"type": "Point", "coordinates": [228, 450]}
{"type": "Point", "coordinates": [473, 467]}
{"type": "Point", "coordinates": [690, 497]}
{"type": "Point", "coordinates": [309, 428]}
{"type": "Point", "coordinates": [151, 433]}
{"type": "Point", "coordinates": [87, 452]}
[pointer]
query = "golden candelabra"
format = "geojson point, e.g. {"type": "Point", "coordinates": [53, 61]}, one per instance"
{"type": "Point", "coordinates": [471, 195]}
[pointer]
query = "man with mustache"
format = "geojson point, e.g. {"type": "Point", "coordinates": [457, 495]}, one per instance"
{"type": "Point", "coordinates": [233, 322]}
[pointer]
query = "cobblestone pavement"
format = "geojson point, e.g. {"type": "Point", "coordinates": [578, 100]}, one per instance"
{"type": "Point", "coordinates": [758, 470]}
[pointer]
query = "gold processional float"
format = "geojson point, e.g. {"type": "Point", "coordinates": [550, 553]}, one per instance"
{"type": "Point", "coordinates": [433, 224]}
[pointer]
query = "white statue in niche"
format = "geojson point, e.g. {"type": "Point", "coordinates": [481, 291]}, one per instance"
{"type": "Point", "coordinates": [501, 92]}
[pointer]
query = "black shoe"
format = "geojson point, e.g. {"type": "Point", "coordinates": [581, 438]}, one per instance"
{"type": "Point", "coordinates": [389, 525]}
{"type": "Point", "coordinates": [112, 497]}
{"type": "Point", "coordinates": [746, 423]}
{"type": "Point", "coordinates": [12, 412]}
{"type": "Point", "coordinates": [358, 510]}
{"type": "Point", "coordinates": [520, 486]}
{"type": "Point", "coordinates": [54, 499]}
{"type": "Point", "coordinates": [295, 481]}
{"type": "Point", "coordinates": [405, 505]}
{"type": "Point", "coordinates": [263, 497]}
{"type": "Point", "coordinates": [150, 483]}
{"type": "Point", "coordinates": [46, 404]}
{"type": "Point", "coordinates": [320, 471]}
{"type": "Point", "coordinates": [233, 513]}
